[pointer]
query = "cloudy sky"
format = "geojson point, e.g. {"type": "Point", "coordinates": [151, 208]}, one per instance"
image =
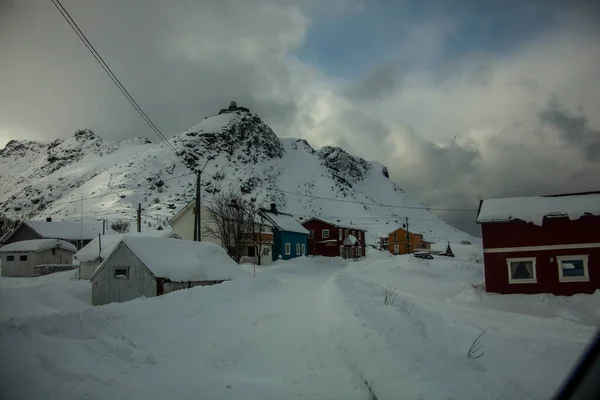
{"type": "Point", "coordinates": [460, 99]}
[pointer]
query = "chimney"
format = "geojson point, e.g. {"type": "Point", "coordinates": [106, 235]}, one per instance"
{"type": "Point", "coordinates": [49, 219]}
{"type": "Point", "coordinates": [274, 208]}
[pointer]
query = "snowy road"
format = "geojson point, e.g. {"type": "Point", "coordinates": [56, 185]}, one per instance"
{"type": "Point", "coordinates": [260, 339]}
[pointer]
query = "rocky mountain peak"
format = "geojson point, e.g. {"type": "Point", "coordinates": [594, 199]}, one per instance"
{"type": "Point", "coordinates": [343, 164]}
{"type": "Point", "coordinates": [85, 134]}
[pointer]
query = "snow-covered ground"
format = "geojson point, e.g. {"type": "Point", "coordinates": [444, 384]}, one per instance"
{"type": "Point", "coordinates": [309, 328]}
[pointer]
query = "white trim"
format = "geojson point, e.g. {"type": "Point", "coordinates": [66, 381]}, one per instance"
{"type": "Point", "coordinates": [303, 249]}
{"type": "Point", "coordinates": [525, 259]}
{"type": "Point", "coordinates": [586, 274]}
{"type": "Point", "coordinates": [297, 249]}
{"type": "Point", "coordinates": [542, 248]}
{"type": "Point", "coordinates": [288, 249]}
{"type": "Point", "coordinates": [323, 232]}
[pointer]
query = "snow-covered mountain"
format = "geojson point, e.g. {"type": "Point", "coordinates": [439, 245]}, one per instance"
{"type": "Point", "coordinates": [42, 180]}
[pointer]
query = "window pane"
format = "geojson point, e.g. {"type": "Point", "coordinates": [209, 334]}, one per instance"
{"type": "Point", "coordinates": [521, 270]}
{"type": "Point", "coordinates": [22, 257]}
{"type": "Point", "coordinates": [10, 258]}
{"type": "Point", "coordinates": [572, 267]}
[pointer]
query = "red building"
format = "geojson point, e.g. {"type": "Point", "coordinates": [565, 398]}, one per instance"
{"type": "Point", "coordinates": [548, 244]}
{"type": "Point", "coordinates": [333, 239]}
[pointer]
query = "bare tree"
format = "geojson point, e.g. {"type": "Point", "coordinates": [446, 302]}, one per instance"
{"type": "Point", "coordinates": [229, 223]}
{"type": "Point", "coordinates": [120, 226]}
{"type": "Point", "coordinates": [6, 224]}
{"type": "Point", "coordinates": [257, 223]}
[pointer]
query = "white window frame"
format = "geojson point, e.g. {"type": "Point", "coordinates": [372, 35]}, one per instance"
{"type": "Point", "coordinates": [340, 233]}
{"type": "Point", "coordinates": [311, 234]}
{"type": "Point", "coordinates": [303, 249]}
{"type": "Point", "coordinates": [359, 251]}
{"type": "Point", "coordinates": [297, 248]}
{"type": "Point", "coordinates": [325, 233]}
{"type": "Point", "coordinates": [120, 267]}
{"type": "Point", "coordinates": [359, 235]}
{"type": "Point", "coordinates": [288, 249]}
{"type": "Point", "coordinates": [523, 259]}
{"type": "Point", "coordinates": [586, 274]}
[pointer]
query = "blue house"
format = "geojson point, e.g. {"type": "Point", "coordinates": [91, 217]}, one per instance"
{"type": "Point", "coordinates": [290, 238]}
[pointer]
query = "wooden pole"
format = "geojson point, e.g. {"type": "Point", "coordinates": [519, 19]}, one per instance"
{"type": "Point", "coordinates": [139, 217]}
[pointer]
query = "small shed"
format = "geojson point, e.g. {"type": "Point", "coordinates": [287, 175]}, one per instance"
{"type": "Point", "coordinates": [21, 258]}
{"type": "Point", "coordinates": [352, 248]}
{"type": "Point", "coordinates": [92, 254]}
{"type": "Point", "coordinates": [148, 266]}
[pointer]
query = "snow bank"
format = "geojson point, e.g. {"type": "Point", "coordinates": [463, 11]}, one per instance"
{"type": "Point", "coordinates": [37, 245]}
{"type": "Point", "coordinates": [61, 230]}
{"type": "Point", "coordinates": [417, 346]}
{"type": "Point", "coordinates": [350, 240]}
{"type": "Point", "coordinates": [534, 209]}
{"type": "Point", "coordinates": [183, 260]}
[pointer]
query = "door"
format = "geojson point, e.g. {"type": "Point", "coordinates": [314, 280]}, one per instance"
{"type": "Point", "coordinates": [396, 249]}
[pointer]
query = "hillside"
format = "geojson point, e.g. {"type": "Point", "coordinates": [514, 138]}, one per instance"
{"type": "Point", "coordinates": [49, 179]}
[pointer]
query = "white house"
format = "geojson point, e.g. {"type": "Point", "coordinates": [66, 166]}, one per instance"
{"type": "Point", "coordinates": [92, 254]}
{"type": "Point", "coordinates": [146, 267]}
{"type": "Point", "coordinates": [21, 258]}
{"type": "Point", "coordinates": [72, 232]}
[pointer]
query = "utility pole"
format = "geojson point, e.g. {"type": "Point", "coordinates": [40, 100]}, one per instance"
{"type": "Point", "coordinates": [198, 216]}
{"type": "Point", "coordinates": [407, 237]}
{"type": "Point", "coordinates": [103, 226]}
{"type": "Point", "coordinates": [139, 217]}
{"type": "Point", "coordinates": [81, 223]}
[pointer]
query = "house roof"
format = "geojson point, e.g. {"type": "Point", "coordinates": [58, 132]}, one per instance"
{"type": "Point", "coordinates": [284, 222]}
{"type": "Point", "coordinates": [37, 245]}
{"type": "Point", "coordinates": [180, 260]}
{"type": "Point", "coordinates": [404, 229]}
{"type": "Point", "coordinates": [182, 210]}
{"type": "Point", "coordinates": [534, 209]}
{"type": "Point", "coordinates": [66, 230]}
{"type": "Point", "coordinates": [336, 224]}
{"type": "Point", "coordinates": [91, 251]}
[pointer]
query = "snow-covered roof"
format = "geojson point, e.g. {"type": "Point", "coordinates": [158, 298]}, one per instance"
{"type": "Point", "coordinates": [351, 241]}
{"type": "Point", "coordinates": [37, 245]}
{"type": "Point", "coordinates": [66, 230]}
{"type": "Point", "coordinates": [181, 260]}
{"type": "Point", "coordinates": [285, 222]}
{"type": "Point", "coordinates": [91, 251]}
{"type": "Point", "coordinates": [338, 224]}
{"type": "Point", "coordinates": [534, 209]}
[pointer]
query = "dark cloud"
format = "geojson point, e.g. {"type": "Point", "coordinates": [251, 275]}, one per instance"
{"type": "Point", "coordinates": [380, 81]}
{"type": "Point", "coordinates": [574, 129]}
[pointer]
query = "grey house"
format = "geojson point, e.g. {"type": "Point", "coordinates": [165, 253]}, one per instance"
{"type": "Point", "coordinates": [68, 231]}
{"type": "Point", "coordinates": [21, 258]}
{"type": "Point", "coordinates": [142, 266]}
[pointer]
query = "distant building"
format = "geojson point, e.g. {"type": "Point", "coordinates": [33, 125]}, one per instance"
{"type": "Point", "coordinates": [141, 266]}
{"type": "Point", "coordinates": [92, 254]}
{"type": "Point", "coordinates": [328, 239]}
{"type": "Point", "coordinates": [68, 231]}
{"type": "Point", "coordinates": [548, 244]}
{"type": "Point", "coordinates": [290, 238]}
{"type": "Point", "coordinates": [21, 258]}
{"type": "Point", "coordinates": [402, 241]}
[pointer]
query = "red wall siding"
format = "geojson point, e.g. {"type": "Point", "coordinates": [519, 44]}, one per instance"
{"type": "Point", "coordinates": [554, 231]}
{"type": "Point", "coordinates": [329, 249]}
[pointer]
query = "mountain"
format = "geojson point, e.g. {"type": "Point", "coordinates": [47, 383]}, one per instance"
{"type": "Point", "coordinates": [40, 180]}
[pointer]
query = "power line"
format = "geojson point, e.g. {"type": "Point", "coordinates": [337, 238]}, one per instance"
{"type": "Point", "coordinates": [111, 75]}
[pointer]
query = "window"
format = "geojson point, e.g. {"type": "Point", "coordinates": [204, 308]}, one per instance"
{"type": "Point", "coordinates": [359, 251]}
{"type": "Point", "coordinates": [303, 249]}
{"type": "Point", "coordinates": [521, 270]}
{"type": "Point", "coordinates": [573, 268]}
{"type": "Point", "coordinates": [394, 236]}
{"type": "Point", "coordinates": [359, 235]}
{"type": "Point", "coordinates": [297, 248]}
{"type": "Point", "coordinates": [54, 251]}
{"type": "Point", "coordinates": [288, 249]}
{"type": "Point", "coordinates": [251, 251]}
{"type": "Point", "coordinates": [340, 233]}
{"type": "Point", "coordinates": [121, 273]}
{"type": "Point", "coordinates": [266, 251]}
{"type": "Point", "coordinates": [23, 257]}
{"type": "Point", "coordinates": [345, 232]}
{"type": "Point", "coordinates": [311, 234]}
{"type": "Point", "coordinates": [10, 258]}
{"type": "Point", "coordinates": [325, 233]}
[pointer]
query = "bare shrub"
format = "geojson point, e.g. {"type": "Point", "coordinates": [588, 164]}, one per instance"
{"type": "Point", "coordinates": [120, 226]}
{"type": "Point", "coordinates": [476, 349]}
{"type": "Point", "coordinates": [389, 296]}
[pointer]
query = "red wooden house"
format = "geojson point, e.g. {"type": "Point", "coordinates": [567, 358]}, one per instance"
{"type": "Point", "coordinates": [333, 239]}
{"type": "Point", "coordinates": [548, 244]}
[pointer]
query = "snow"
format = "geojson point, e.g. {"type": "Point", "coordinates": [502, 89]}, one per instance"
{"type": "Point", "coordinates": [286, 222]}
{"type": "Point", "coordinates": [91, 251]}
{"type": "Point", "coordinates": [61, 230]}
{"type": "Point", "coordinates": [182, 260]}
{"type": "Point", "coordinates": [350, 240]}
{"type": "Point", "coordinates": [534, 209]}
{"type": "Point", "coordinates": [309, 327]}
{"type": "Point", "coordinates": [37, 245]}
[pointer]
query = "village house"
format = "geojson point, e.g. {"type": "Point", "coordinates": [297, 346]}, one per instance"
{"type": "Point", "coordinates": [183, 223]}
{"type": "Point", "coordinates": [22, 258]}
{"type": "Point", "coordinates": [333, 239]}
{"type": "Point", "coordinates": [402, 241]}
{"type": "Point", "coordinates": [547, 244]}
{"type": "Point", "coordinates": [142, 266]}
{"type": "Point", "coordinates": [92, 254]}
{"type": "Point", "coordinates": [68, 231]}
{"type": "Point", "coordinates": [290, 238]}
